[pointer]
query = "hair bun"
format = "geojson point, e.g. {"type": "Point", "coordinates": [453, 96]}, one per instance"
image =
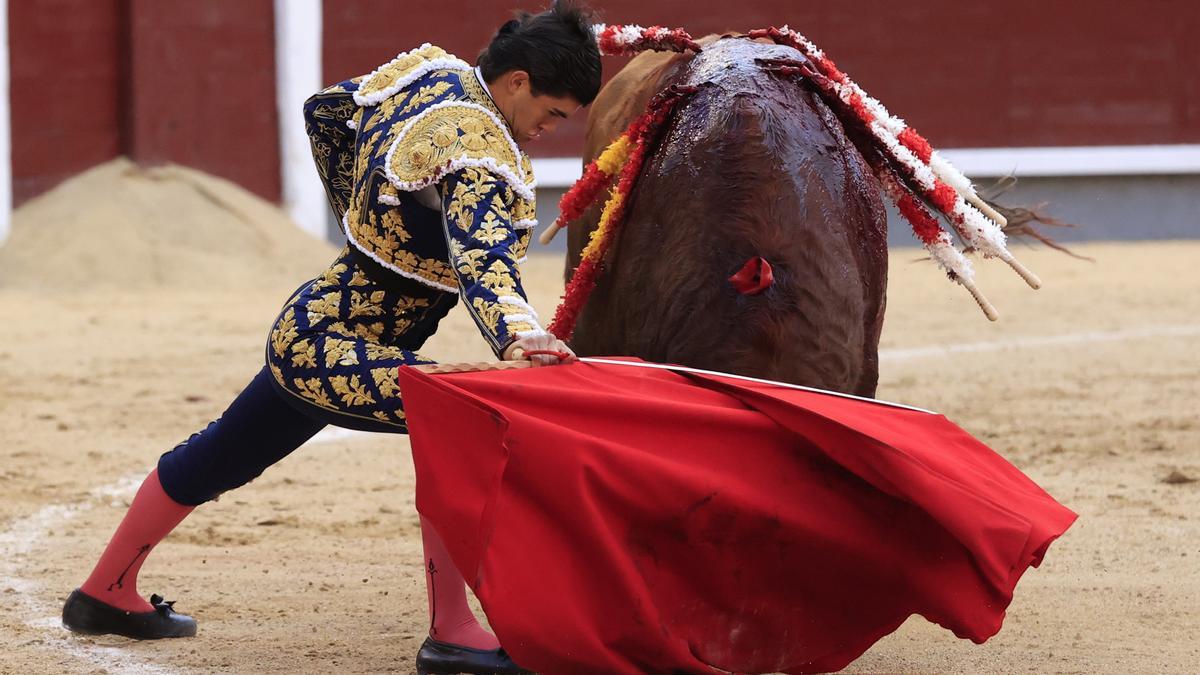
{"type": "Point", "coordinates": [510, 27]}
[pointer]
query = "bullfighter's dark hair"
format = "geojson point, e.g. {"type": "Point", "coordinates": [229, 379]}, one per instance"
{"type": "Point", "coordinates": [556, 47]}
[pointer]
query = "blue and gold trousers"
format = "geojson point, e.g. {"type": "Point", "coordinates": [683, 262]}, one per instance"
{"type": "Point", "coordinates": [339, 340]}
{"type": "Point", "coordinates": [332, 357]}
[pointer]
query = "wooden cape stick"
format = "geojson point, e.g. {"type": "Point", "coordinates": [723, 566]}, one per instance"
{"type": "Point", "coordinates": [547, 234]}
{"type": "Point", "coordinates": [471, 367]}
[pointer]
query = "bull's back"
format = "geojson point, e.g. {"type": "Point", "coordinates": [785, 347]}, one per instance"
{"type": "Point", "coordinates": [751, 166]}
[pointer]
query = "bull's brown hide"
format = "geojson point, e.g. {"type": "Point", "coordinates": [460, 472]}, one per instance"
{"type": "Point", "coordinates": [752, 165]}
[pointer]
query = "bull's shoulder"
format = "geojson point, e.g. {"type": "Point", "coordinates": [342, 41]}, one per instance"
{"type": "Point", "coordinates": [626, 96]}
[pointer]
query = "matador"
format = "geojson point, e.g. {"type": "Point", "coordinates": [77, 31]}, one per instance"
{"type": "Point", "coordinates": [423, 163]}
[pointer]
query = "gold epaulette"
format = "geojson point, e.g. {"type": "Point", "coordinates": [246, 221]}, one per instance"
{"type": "Point", "coordinates": [449, 136]}
{"type": "Point", "coordinates": [403, 70]}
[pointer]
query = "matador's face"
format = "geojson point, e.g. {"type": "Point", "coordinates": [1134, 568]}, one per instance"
{"type": "Point", "coordinates": [530, 115]}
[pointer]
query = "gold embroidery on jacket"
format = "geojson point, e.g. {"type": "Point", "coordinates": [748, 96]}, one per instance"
{"type": "Point", "coordinates": [488, 312]}
{"type": "Point", "coordinates": [323, 307]}
{"type": "Point", "coordinates": [391, 222]}
{"type": "Point", "coordinates": [284, 333]}
{"type": "Point", "coordinates": [468, 192]}
{"type": "Point", "coordinates": [469, 261]}
{"type": "Point", "coordinates": [351, 390]}
{"type": "Point", "coordinates": [437, 136]}
{"type": "Point", "coordinates": [498, 280]}
{"type": "Point", "coordinates": [329, 277]}
{"type": "Point", "coordinates": [366, 305]}
{"type": "Point", "coordinates": [426, 94]}
{"type": "Point", "coordinates": [399, 67]}
{"type": "Point", "coordinates": [385, 382]}
{"type": "Point", "coordinates": [514, 327]}
{"type": "Point", "coordinates": [523, 209]}
{"type": "Point", "coordinates": [304, 354]}
{"type": "Point", "coordinates": [443, 134]}
{"type": "Point", "coordinates": [340, 352]}
{"type": "Point", "coordinates": [520, 247]}
{"type": "Point", "coordinates": [311, 389]}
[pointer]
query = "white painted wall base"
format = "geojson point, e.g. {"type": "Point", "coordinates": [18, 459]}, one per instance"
{"type": "Point", "coordinates": [1094, 160]}
{"type": "Point", "coordinates": [298, 76]}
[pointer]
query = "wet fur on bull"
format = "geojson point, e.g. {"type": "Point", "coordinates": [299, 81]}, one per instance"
{"type": "Point", "coordinates": [751, 165]}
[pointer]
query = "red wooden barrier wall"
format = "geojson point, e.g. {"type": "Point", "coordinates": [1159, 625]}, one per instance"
{"type": "Point", "coordinates": [65, 61]}
{"type": "Point", "coordinates": [194, 82]}
{"type": "Point", "coordinates": [203, 89]}
{"type": "Point", "coordinates": [967, 74]}
{"type": "Point", "coordinates": [158, 80]}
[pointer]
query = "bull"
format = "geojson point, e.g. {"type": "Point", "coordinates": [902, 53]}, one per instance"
{"type": "Point", "coordinates": [753, 168]}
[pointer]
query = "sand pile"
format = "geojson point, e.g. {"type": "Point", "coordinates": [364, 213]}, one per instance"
{"type": "Point", "coordinates": [122, 226]}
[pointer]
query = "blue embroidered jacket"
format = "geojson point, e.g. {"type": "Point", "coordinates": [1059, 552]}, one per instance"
{"type": "Point", "coordinates": [420, 166]}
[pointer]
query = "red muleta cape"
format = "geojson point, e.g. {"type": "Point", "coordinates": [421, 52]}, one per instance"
{"type": "Point", "coordinates": [614, 519]}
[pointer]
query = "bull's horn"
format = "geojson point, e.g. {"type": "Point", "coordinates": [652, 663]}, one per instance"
{"type": "Point", "coordinates": [547, 234]}
{"type": "Point", "coordinates": [1029, 277]}
{"type": "Point", "coordinates": [988, 310]}
{"type": "Point", "coordinates": [985, 208]}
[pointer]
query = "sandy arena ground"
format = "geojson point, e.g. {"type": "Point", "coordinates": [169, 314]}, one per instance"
{"type": "Point", "coordinates": [1091, 386]}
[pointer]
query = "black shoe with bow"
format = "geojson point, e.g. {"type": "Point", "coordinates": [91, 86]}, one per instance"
{"type": "Point", "coordinates": [84, 614]}
{"type": "Point", "coordinates": [440, 658]}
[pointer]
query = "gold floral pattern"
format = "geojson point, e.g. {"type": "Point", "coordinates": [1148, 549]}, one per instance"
{"type": "Point", "coordinates": [363, 304]}
{"type": "Point", "coordinates": [351, 390]}
{"type": "Point", "coordinates": [336, 357]}
{"type": "Point", "coordinates": [488, 313]}
{"type": "Point", "coordinates": [425, 95]}
{"type": "Point", "coordinates": [524, 209]}
{"type": "Point", "coordinates": [422, 119]}
{"type": "Point", "coordinates": [385, 382]}
{"type": "Point", "coordinates": [469, 260]}
{"type": "Point", "coordinates": [323, 307]}
{"type": "Point", "coordinates": [519, 248]}
{"type": "Point", "coordinates": [498, 279]}
{"type": "Point", "coordinates": [447, 133]}
{"type": "Point", "coordinates": [312, 390]}
{"type": "Point", "coordinates": [482, 243]}
{"type": "Point", "coordinates": [387, 244]}
{"type": "Point", "coordinates": [491, 230]}
{"type": "Point", "coordinates": [403, 238]}
{"type": "Point", "coordinates": [468, 194]}
{"type": "Point", "coordinates": [284, 333]}
{"type": "Point", "coordinates": [404, 64]}
{"type": "Point", "coordinates": [325, 117]}
{"type": "Point", "coordinates": [304, 354]}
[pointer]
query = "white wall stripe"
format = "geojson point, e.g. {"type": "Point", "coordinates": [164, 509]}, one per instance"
{"type": "Point", "coordinates": [557, 172]}
{"type": "Point", "coordinates": [1097, 160]}
{"type": "Point", "coordinates": [5, 130]}
{"type": "Point", "coordinates": [298, 76]}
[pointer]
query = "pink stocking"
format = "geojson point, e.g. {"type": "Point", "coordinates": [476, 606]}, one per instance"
{"type": "Point", "coordinates": [151, 517]}
{"type": "Point", "coordinates": [450, 617]}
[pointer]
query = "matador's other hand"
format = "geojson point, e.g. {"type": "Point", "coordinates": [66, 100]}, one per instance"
{"type": "Point", "coordinates": [544, 342]}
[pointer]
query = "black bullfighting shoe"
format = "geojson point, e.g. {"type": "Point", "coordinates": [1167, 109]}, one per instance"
{"type": "Point", "coordinates": [84, 614]}
{"type": "Point", "coordinates": [441, 658]}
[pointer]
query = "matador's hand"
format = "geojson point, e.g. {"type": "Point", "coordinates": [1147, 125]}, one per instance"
{"type": "Point", "coordinates": [537, 343]}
